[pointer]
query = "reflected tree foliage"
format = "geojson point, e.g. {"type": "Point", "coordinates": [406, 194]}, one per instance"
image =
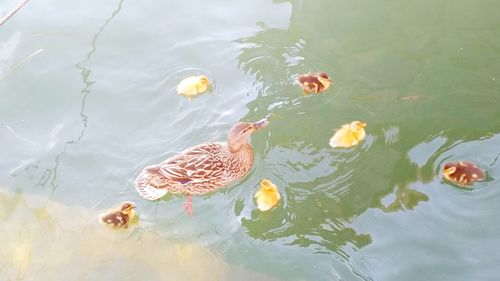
{"type": "Point", "coordinates": [382, 76]}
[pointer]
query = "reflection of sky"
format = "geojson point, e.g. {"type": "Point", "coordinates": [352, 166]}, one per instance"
{"type": "Point", "coordinates": [7, 50]}
{"type": "Point", "coordinates": [422, 152]}
{"type": "Point", "coordinates": [453, 223]}
{"type": "Point", "coordinates": [381, 77]}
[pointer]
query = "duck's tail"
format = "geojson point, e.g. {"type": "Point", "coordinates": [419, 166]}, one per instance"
{"type": "Point", "coordinates": [145, 189]}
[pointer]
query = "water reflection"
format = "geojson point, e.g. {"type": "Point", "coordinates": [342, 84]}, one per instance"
{"type": "Point", "coordinates": [51, 241]}
{"type": "Point", "coordinates": [317, 210]}
{"type": "Point", "coordinates": [50, 174]}
{"type": "Point", "coordinates": [326, 189]}
{"type": "Point", "coordinates": [7, 50]}
{"type": "Point", "coordinates": [404, 198]}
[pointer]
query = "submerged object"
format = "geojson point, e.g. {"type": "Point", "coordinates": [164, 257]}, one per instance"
{"type": "Point", "coordinates": [193, 85]}
{"type": "Point", "coordinates": [202, 168]}
{"type": "Point", "coordinates": [268, 195]}
{"type": "Point", "coordinates": [463, 173]}
{"type": "Point", "coordinates": [119, 217]}
{"type": "Point", "coordinates": [314, 82]}
{"type": "Point", "coordinates": [349, 135]}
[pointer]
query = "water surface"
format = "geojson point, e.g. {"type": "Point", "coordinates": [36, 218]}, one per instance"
{"type": "Point", "coordinates": [88, 99]}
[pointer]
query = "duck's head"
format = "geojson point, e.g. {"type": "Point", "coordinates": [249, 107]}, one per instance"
{"type": "Point", "coordinates": [267, 185]}
{"type": "Point", "coordinates": [127, 208]}
{"type": "Point", "coordinates": [239, 133]}
{"type": "Point", "coordinates": [324, 75]}
{"type": "Point", "coordinates": [324, 79]}
{"type": "Point", "coordinates": [357, 126]}
{"type": "Point", "coordinates": [449, 169]}
{"type": "Point", "coordinates": [204, 80]}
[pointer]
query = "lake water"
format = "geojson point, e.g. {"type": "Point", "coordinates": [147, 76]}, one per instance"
{"type": "Point", "coordinates": [87, 99]}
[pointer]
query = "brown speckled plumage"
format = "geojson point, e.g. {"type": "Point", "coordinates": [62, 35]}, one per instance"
{"type": "Point", "coordinates": [116, 220]}
{"type": "Point", "coordinates": [463, 173]}
{"type": "Point", "coordinates": [314, 82]}
{"type": "Point", "coordinates": [199, 169]}
{"type": "Point", "coordinates": [120, 216]}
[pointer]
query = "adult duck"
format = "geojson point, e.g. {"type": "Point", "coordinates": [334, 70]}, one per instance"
{"type": "Point", "coordinates": [202, 168]}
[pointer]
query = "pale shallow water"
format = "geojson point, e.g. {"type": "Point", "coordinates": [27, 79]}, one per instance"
{"type": "Point", "coordinates": [88, 99]}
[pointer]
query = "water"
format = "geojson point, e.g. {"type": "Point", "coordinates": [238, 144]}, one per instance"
{"type": "Point", "coordinates": [88, 99]}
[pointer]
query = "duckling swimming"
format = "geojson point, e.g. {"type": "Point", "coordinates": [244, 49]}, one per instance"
{"type": "Point", "coordinates": [463, 173]}
{"type": "Point", "coordinates": [314, 82]}
{"type": "Point", "coordinates": [349, 135]}
{"type": "Point", "coordinates": [193, 85]}
{"type": "Point", "coordinates": [119, 217]}
{"type": "Point", "coordinates": [268, 195]}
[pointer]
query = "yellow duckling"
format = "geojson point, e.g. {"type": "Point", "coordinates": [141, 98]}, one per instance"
{"type": "Point", "coordinates": [268, 195]}
{"type": "Point", "coordinates": [119, 217]}
{"type": "Point", "coordinates": [193, 85]}
{"type": "Point", "coordinates": [348, 135]}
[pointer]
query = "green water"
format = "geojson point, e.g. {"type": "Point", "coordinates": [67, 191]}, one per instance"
{"type": "Point", "coordinates": [87, 99]}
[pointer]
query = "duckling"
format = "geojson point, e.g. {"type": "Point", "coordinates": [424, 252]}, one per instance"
{"type": "Point", "coordinates": [193, 85]}
{"type": "Point", "coordinates": [314, 82]}
{"type": "Point", "coordinates": [349, 135]}
{"type": "Point", "coordinates": [119, 217]}
{"type": "Point", "coordinates": [268, 195]}
{"type": "Point", "coordinates": [463, 173]}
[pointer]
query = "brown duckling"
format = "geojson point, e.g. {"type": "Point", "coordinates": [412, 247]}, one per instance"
{"type": "Point", "coordinates": [314, 82]}
{"type": "Point", "coordinates": [463, 173]}
{"type": "Point", "coordinates": [119, 217]}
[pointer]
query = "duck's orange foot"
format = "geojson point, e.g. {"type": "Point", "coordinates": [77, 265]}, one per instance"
{"type": "Point", "coordinates": [188, 205]}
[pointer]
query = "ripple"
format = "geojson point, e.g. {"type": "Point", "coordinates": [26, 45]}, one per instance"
{"type": "Point", "coordinates": [423, 152]}
{"type": "Point", "coordinates": [391, 135]}
{"type": "Point", "coordinates": [476, 151]}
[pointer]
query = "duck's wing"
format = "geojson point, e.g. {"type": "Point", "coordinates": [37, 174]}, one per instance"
{"type": "Point", "coordinates": [196, 165]}
{"type": "Point", "coordinates": [199, 163]}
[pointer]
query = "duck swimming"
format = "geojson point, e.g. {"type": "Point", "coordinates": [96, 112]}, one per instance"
{"type": "Point", "coordinates": [193, 85]}
{"type": "Point", "coordinates": [202, 168]}
{"type": "Point", "coordinates": [314, 82]}
{"type": "Point", "coordinates": [463, 173]}
{"type": "Point", "coordinates": [268, 195]}
{"type": "Point", "coordinates": [119, 217]}
{"type": "Point", "coordinates": [349, 135]}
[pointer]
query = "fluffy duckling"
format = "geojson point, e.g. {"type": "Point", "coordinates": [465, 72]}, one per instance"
{"type": "Point", "coordinates": [463, 173]}
{"type": "Point", "coordinates": [268, 195]}
{"type": "Point", "coordinates": [314, 82]}
{"type": "Point", "coordinates": [349, 135]}
{"type": "Point", "coordinates": [193, 85]}
{"type": "Point", "coordinates": [119, 217]}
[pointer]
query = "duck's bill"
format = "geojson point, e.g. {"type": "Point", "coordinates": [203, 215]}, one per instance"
{"type": "Point", "coordinates": [260, 124]}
